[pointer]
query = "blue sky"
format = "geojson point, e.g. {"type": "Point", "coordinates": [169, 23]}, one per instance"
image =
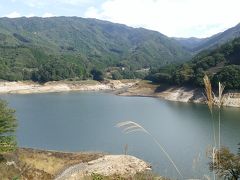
{"type": "Point", "coordinates": [178, 18]}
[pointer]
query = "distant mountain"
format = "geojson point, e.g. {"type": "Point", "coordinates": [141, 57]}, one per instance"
{"type": "Point", "coordinates": [196, 44]}
{"type": "Point", "coordinates": [28, 44]}
{"type": "Point", "coordinates": [190, 43]}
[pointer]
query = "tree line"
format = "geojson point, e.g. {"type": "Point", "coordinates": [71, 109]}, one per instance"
{"type": "Point", "coordinates": [221, 64]}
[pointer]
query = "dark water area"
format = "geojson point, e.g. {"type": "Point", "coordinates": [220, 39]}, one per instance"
{"type": "Point", "coordinates": [87, 122]}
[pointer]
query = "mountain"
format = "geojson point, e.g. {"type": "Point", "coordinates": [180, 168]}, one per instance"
{"type": "Point", "coordinates": [190, 43]}
{"type": "Point", "coordinates": [32, 47]}
{"type": "Point", "coordinates": [197, 44]}
{"type": "Point", "coordinates": [222, 64]}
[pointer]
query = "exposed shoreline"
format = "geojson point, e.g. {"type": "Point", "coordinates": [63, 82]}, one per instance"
{"type": "Point", "coordinates": [119, 87]}
{"type": "Point", "coordinates": [179, 94]}
{"type": "Point", "coordinates": [29, 87]}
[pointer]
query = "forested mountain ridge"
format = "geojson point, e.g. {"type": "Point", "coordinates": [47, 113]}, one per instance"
{"type": "Point", "coordinates": [197, 44]}
{"type": "Point", "coordinates": [56, 48]}
{"type": "Point", "coordinates": [222, 64]}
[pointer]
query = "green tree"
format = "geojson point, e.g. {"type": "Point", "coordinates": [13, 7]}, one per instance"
{"type": "Point", "coordinates": [57, 70]}
{"type": "Point", "coordinates": [226, 164]}
{"type": "Point", "coordinates": [230, 76]}
{"type": "Point", "coordinates": [183, 75]}
{"type": "Point", "coordinates": [128, 74]}
{"type": "Point", "coordinates": [7, 128]}
{"type": "Point", "coordinates": [97, 75]}
{"type": "Point", "coordinates": [116, 75]}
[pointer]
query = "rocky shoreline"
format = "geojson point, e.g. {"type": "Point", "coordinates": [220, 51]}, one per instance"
{"type": "Point", "coordinates": [120, 87]}
{"type": "Point", "coordinates": [125, 166]}
{"type": "Point", "coordinates": [28, 87]}
{"type": "Point", "coordinates": [179, 94]}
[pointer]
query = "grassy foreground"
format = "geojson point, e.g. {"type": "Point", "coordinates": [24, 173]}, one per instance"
{"type": "Point", "coordinates": [38, 164]}
{"type": "Point", "coordinates": [26, 163]}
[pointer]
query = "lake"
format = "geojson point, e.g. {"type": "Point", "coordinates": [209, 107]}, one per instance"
{"type": "Point", "coordinates": [86, 121]}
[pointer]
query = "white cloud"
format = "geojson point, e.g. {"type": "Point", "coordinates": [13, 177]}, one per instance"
{"type": "Point", "coordinates": [47, 14]}
{"type": "Point", "coordinates": [73, 2]}
{"type": "Point", "coordinates": [172, 17]}
{"type": "Point", "coordinates": [92, 12]}
{"type": "Point", "coordinates": [34, 3]}
{"type": "Point", "coordinates": [30, 15]}
{"type": "Point", "coordinates": [13, 15]}
{"type": "Point", "coordinates": [41, 3]}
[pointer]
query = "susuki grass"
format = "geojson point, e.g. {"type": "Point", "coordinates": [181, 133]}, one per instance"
{"type": "Point", "coordinates": [209, 93]}
{"type": "Point", "coordinates": [211, 101]}
{"type": "Point", "coordinates": [219, 104]}
{"type": "Point", "coordinates": [130, 127]}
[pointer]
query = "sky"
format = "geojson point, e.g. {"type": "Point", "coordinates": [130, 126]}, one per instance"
{"type": "Point", "coordinates": [174, 18]}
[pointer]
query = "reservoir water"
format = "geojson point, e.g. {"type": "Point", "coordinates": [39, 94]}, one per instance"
{"type": "Point", "coordinates": [87, 122]}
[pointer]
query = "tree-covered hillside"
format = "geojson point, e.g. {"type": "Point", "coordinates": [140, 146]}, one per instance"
{"type": "Point", "coordinates": [45, 49]}
{"type": "Point", "coordinates": [221, 64]}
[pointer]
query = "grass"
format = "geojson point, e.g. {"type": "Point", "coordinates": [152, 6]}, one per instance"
{"type": "Point", "coordinates": [211, 101]}
{"type": "Point", "coordinates": [138, 176]}
{"type": "Point", "coordinates": [45, 165]}
{"type": "Point", "coordinates": [12, 168]}
{"type": "Point", "coordinates": [39, 164]}
{"type": "Point", "coordinates": [130, 126]}
{"type": "Point", "coordinates": [142, 88]}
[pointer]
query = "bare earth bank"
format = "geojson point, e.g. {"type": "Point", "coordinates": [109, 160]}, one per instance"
{"type": "Point", "coordinates": [120, 87]}
{"type": "Point", "coordinates": [178, 94]}
{"type": "Point", "coordinates": [27, 87]}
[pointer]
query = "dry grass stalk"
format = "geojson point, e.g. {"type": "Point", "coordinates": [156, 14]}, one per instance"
{"type": "Point", "coordinates": [221, 88]}
{"type": "Point", "coordinates": [125, 149]}
{"type": "Point", "coordinates": [211, 100]}
{"type": "Point", "coordinates": [210, 103]}
{"type": "Point", "coordinates": [130, 126]}
{"type": "Point", "coordinates": [219, 104]}
{"type": "Point", "coordinates": [209, 92]}
{"type": "Point", "coordinates": [206, 177]}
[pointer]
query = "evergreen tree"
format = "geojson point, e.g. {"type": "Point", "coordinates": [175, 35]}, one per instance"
{"type": "Point", "coordinates": [7, 128]}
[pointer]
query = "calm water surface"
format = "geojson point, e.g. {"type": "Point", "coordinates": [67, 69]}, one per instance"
{"type": "Point", "coordinates": [86, 122]}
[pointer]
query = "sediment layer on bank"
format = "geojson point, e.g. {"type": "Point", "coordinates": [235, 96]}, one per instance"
{"type": "Point", "coordinates": [28, 87]}
{"type": "Point", "coordinates": [120, 87]}
{"type": "Point", "coordinates": [178, 94]}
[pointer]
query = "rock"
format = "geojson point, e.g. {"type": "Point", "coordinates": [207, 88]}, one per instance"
{"type": "Point", "coordinates": [11, 163]}
{"type": "Point", "coordinates": [109, 165]}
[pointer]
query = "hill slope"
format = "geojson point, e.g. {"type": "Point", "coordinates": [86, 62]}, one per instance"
{"type": "Point", "coordinates": [76, 45]}
{"type": "Point", "coordinates": [197, 44]}
{"type": "Point", "coordinates": [221, 64]}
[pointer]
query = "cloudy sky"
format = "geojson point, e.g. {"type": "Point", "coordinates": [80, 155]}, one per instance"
{"type": "Point", "coordinates": [178, 18]}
